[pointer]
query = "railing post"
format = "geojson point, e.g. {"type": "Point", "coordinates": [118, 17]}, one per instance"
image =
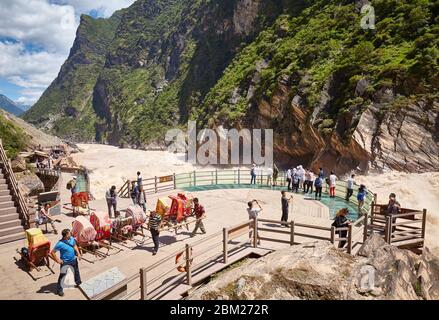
{"type": "Point", "coordinates": [239, 176]}
{"type": "Point", "coordinates": [375, 198]}
{"type": "Point", "coordinates": [175, 181]}
{"type": "Point", "coordinates": [155, 184]}
{"type": "Point", "coordinates": [188, 265]}
{"type": "Point", "coordinates": [350, 239]}
{"type": "Point", "coordinates": [372, 212]}
{"type": "Point", "coordinates": [255, 232]}
{"type": "Point", "coordinates": [216, 176]}
{"type": "Point", "coordinates": [388, 232]}
{"type": "Point", "coordinates": [333, 235]}
{"type": "Point", "coordinates": [225, 245]}
{"type": "Point", "coordinates": [366, 227]}
{"type": "Point", "coordinates": [292, 224]}
{"type": "Point", "coordinates": [424, 221]}
{"type": "Point", "coordinates": [143, 284]}
{"type": "Point", "coordinates": [195, 178]}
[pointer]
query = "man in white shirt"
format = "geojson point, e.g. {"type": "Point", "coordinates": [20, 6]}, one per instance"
{"type": "Point", "coordinates": [350, 187]}
{"type": "Point", "coordinates": [332, 184]}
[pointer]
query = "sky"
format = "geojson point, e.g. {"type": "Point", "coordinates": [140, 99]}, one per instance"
{"type": "Point", "coordinates": [35, 40]}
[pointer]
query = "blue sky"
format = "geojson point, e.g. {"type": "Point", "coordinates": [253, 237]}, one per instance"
{"type": "Point", "coordinates": [35, 40]}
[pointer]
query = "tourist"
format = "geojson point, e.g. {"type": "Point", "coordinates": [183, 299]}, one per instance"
{"type": "Point", "coordinates": [253, 174]}
{"type": "Point", "coordinates": [253, 210]}
{"type": "Point", "coordinates": [72, 185]}
{"type": "Point", "coordinates": [275, 175]}
{"type": "Point", "coordinates": [141, 198]}
{"type": "Point", "coordinates": [285, 201]}
{"type": "Point", "coordinates": [69, 255]}
{"type": "Point", "coordinates": [111, 198]}
{"type": "Point", "coordinates": [361, 197]}
{"type": "Point", "coordinates": [393, 208]}
{"type": "Point", "coordinates": [289, 178]}
{"type": "Point", "coordinates": [200, 214]}
{"type": "Point", "coordinates": [350, 187]}
{"type": "Point", "coordinates": [135, 192]}
{"type": "Point", "coordinates": [43, 216]}
{"type": "Point", "coordinates": [310, 188]}
{"type": "Point", "coordinates": [321, 173]}
{"type": "Point", "coordinates": [332, 184]}
{"type": "Point", "coordinates": [306, 184]}
{"type": "Point", "coordinates": [139, 179]}
{"type": "Point", "coordinates": [269, 176]}
{"type": "Point", "coordinates": [341, 221]}
{"type": "Point", "coordinates": [301, 173]}
{"type": "Point", "coordinates": [318, 184]}
{"type": "Point", "coordinates": [296, 181]}
{"type": "Point", "coordinates": [155, 222]}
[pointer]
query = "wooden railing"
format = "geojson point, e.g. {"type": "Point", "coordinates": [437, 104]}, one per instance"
{"type": "Point", "coordinates": [405, 229]}
{"type": "Point", "coordinates": [217, 249]}
{"type": "Point", "coordinates": [22, 205]}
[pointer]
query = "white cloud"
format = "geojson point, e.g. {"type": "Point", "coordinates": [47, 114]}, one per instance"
{"type": "Point", "coordinates": [39, 23]}
{"type": "Point", "coordinates": [43, 32]}
{"type": "Point", "coordinates": [105, 7]}
{"type": "Point", "coordinates": [33, 71]}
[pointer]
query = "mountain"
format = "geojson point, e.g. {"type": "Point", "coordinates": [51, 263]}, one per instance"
{"type": "Point", "coordinates": [10, 106]}
{"type": "Point", "coordinates": [24, 107]}
{"type": "Point", "coordinates": [337, 95]}
{"type": "Point", "coordinates": [17, 135]}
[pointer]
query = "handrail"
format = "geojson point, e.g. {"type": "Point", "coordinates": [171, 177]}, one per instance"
{"type": "Point", "coordinates": [22, 205]}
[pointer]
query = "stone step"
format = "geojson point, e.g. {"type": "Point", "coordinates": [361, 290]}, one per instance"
{"type": "Point", "coordinates": [4, 186]}
{"type": "Point", "coordinates": [8, 210]}
{"type": "Point", "coordinates": [5, 192]}
{"type": "Point", "coordinates": [2, 180]}
{"type": "Point", "coordinates": [10, 224]}
{"type": "Point", "coordinates": [12, 237]}
{"type": "Point", "coordinates": [7, 204]}
{"type": "Point", "coordinates": [5, 198]}
{"type": "Point", "coordinates": [11, 230]}
{"type": "Point", "coordinates": [9, 217]}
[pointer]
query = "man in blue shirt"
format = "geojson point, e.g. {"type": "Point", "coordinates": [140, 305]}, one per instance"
{"type": "Point", "coordinates": [69, 254]}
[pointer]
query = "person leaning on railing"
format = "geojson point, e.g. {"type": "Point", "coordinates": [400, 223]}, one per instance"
{"type": "Point", "coordinates": [341, 221]}
{"type": "Point", "coordinates": [393, 208]}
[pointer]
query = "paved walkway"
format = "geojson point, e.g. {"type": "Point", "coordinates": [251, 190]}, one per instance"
{"type": "Point", "coordinates": [224, 207]}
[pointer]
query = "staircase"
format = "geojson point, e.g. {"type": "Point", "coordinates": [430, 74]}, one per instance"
{"type": "Point", "coordinates": [16, 213]}
{"type": "Point", "coordinates": [11, 228]}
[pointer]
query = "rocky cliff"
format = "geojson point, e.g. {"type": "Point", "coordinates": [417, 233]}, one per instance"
{"type": "Point", "coordinates": [318, 271]}
{"type": "Point", "coordinates": [335, 94]}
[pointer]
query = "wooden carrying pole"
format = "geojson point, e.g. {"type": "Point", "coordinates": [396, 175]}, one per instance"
{"type": "Point", "coordinates": [143, 284]}
{"type": "Point", "coordinates": [188, 265]}
{"type": "Point", "coordinates": [225, 244]}
{"type": "Point", "coordinates": [255, 232]}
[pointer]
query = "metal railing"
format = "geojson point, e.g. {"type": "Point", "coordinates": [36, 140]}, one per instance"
{"type": "Point", "coordinates": [203, 178]}
{"type": "Point", "coordinates": [22, 205]}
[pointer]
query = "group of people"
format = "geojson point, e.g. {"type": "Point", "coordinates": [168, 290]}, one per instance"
{"type": "Point", "coordinates": [341, 220]}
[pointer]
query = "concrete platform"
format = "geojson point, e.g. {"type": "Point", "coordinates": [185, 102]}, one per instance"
{"type": "Point", "coordinates": [224, 208]}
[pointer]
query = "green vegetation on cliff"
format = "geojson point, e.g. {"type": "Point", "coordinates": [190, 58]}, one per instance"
{"type": "Point", "coordinates": [326, 45]}
{"type": "Point", "coordinates": [13, 137]}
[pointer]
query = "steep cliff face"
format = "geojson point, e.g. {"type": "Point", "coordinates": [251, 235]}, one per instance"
{"type": "Point", "coordinates": [65, 109]}
{"type": "Point", "coordinates": [335, 94]}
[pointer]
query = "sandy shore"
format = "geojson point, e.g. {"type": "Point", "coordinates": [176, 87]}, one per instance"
{"type": "Point", "coordinates": [112, 166]}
